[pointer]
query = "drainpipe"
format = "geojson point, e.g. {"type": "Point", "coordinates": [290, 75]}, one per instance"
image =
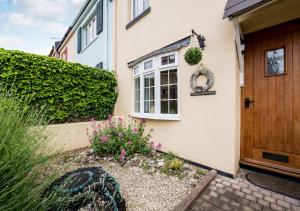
{"type": "Point", "coordinates": [239, 37]}
{"type": "Point", "coordinates": [107, 32]}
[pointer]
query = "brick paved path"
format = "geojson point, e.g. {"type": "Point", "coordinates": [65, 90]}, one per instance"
{"type": "Point", "coordinates": [238, 194]}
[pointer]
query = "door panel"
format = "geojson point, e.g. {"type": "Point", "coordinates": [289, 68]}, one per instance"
{"type": "Point", "coordinates": [271, 124]}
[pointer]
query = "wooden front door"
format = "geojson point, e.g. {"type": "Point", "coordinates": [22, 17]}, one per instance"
{"type": "Point", "coordinates": [271, 99]}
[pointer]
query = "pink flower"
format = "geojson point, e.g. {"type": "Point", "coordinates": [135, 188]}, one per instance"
{"type": "Point", "coordinates": [109, 118]}
{"type": "Point", "coordinates": [104, 139]}
{"type": "Point", "coordinates": [134, 130]}
{"type": "Point", "coordinates": [120, 120]}
{"type": "Point", "coordinates": [123, 154]}
{"type": "Point", "coordinates": [93, 120]}
{"type": "Point", "coordinates": [158, 146]}
{"type": "Point", "coordinates": [129, 142]}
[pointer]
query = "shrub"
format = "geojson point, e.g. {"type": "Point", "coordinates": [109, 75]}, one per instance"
{"type": "Point", "coordinates": [23, 157]}
{"type": "Point", "coordinates": [120, 139]}
{"type": "Point", "coordinates": [71, 92]}
{"type": "Point", "coordinates": [193, 56]}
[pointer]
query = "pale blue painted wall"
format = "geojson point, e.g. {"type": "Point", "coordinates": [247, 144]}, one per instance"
{"type": "Point", "coordinates": [100, 50]}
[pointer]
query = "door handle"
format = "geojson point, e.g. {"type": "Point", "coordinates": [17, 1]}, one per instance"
{"type": "Point", "coordinates": [248, 102]}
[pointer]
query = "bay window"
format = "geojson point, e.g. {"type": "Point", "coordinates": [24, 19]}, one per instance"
{"type": "Point", "coordinates": [156, 87]}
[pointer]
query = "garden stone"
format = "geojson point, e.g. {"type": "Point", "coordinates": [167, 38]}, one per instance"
{"type": "Point", "coordinates": [160, 164]}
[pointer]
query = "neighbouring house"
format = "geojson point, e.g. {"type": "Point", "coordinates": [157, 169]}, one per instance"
{"type": "Point", "coordinates": [244, 107]}
{"type": "Point", "coordinates": [89, 40]}
{"type": "Point", "coordinates": [54, 50]}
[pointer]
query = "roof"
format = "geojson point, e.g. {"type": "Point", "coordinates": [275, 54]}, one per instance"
{"type": "Point", "coordinates": [54, 47]}
{"type": "Point", "coordinates": [64, 38]}
{"type": "Point", "coordinates": [237, 7]}
{"type": "Point", "coordinates": [172, 47]}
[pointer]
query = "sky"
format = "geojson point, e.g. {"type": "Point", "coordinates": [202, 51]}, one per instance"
{"type": "Point", "coordinates": [34, 25]}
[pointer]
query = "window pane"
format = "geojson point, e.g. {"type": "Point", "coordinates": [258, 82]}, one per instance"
{"type": "Point", "coordinates": [173, 107]}
{"type": "Point", "coordinates": [137, 107]}
{"type": "Point", "coordinates": [137, 95]}
{"type": "Point", "coordinates": [146, 82]}
{"type": "Point", "coordinates": [148, 65]}
{"type": "Point", "coordinates": [136, 70]}
{"type": "Point", "coordinates": [151, 81]}
{"type": "Point", "coordinates": [172, 59]}
{"type": "Point", "coordinates": [164, 92]}
{"type": "Point", "coordinates": [152, 93]}
{"type": "Point", "coordinates": [173, 76]}
{"type": "Point", "coordinates": [146, 4]}
{"type": "Point", "coordinates": [164, 107]}
{"type": "Point", "coordinates": [164, 60]}
{"type": "Point", "coordinates": [147, 94]}
{"type": "Point", "coordinates": [137, 83]}
{"type": "Point", "coordinates": [146, 106]}
{"type": "Point", "coordinates": [173, 92]}
{"type": "Point", "coordinates": [152, 107]}
{"type": "Point", "coordinates": [164, 77]}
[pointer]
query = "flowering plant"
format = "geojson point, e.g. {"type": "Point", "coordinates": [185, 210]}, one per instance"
{"type": "Point", "coordinates": [117, 138]}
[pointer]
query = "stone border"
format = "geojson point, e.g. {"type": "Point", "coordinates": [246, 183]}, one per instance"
{"type": "Point", "coordinates": [189, 199]}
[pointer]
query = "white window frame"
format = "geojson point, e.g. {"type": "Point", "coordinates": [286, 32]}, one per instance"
{"type": "Point", "coordinates": [156, 69]}
{"type": "Point", "coordinates": [140, 9]}
{"type": "Point", "coordinates": [90, 30]}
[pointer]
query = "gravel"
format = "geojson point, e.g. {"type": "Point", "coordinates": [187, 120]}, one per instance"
{"type": "Point", "coordinates": [142, 190]}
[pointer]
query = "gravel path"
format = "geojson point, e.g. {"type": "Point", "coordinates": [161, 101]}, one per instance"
{"type": "Point", "coordinates": [142, 190]}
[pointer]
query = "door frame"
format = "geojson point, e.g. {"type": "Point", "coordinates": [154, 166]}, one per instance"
{"type": "Point", "coordinates": [263, 34]}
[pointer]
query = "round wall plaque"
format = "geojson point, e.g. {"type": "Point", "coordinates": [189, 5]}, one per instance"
{"type": "Point", "coordinates": [202, 71]}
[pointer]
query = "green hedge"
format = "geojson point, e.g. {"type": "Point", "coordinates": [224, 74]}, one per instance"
{"type": "Point", "coordinates": [71, 92]}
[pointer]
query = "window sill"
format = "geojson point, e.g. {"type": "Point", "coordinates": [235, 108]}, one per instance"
{"type": "Point", "coordinates": [138, 18]}
{"type": "Point", "coordinates": [86, 47]}
{"type": "Point", "coordinates": [155, 117]}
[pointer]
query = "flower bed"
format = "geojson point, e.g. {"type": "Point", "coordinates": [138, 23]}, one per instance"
{"type": "Point", "coordinates": [145, 183]}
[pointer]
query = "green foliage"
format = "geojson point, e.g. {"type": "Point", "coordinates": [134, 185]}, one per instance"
{"type": "Point", "coordinates": [173, 165]}
{"type": "Point", "coordinates": [23, 157]}
{"type": "Point", "coordinates": [119, 139]}
{"type": "Point", "coordinates": [193, 56]}
{"type": "Point", "coordinates": [71, 92]}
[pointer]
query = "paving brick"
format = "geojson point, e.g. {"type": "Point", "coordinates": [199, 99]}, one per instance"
{"type": "Point", "coordinates": [206, 205]}
{"type": "Point", "coordinates": [235, 204]}
{"type": "Point", "coordinates": [263, 202]}
{"type": "Point", "coordinates": [258, 195]}
{"type": "Point", "coordinates": [219, 185]}
{"type": "Point", "coordinates": [244, 185]}
{"type": "Point", "coordinates": [226, 207]}
{"type": "Point", "coordinates": [213, 194]}
{"type": "Point", "coordinates": [221, 191]}
{"type": "Point", "coordinates": [224, 199]}
{"type": "Point", "coordinates": [293, 201]}
{"type": "Point", "coordinates": [283, 204]}
{"type": "Point", "coordinates": [255, 206]}
{"type": "Point", "coordinates": [245, 202]}
{"type": "Point", "coordinates": [276, 207]}
{"type": "Point", "coordinates": [270, 199]}
{"type": "Point", "coordinates": [235, 186]}
{"type": "Point", "coordinates": [226, 183]}
{"type": "Point", "coordinates": [253, 187]}
{"type": "Point", "coordinates": [218, 180]}
{"type": "Point", "coordinates": [246, 208]}
{"type": "Point", "coordinates": [211, 187]}
{"type": "Point", "coordinates": [251, 198]}
{"type": "Point", "coordinates": [206, 197]}
{"type": "Point", "coordinates": [277, 196]}
{"type": "Point", "coordinates": [295, 208]}
{"type": "Point", "coordinates": [265, 192]}
{"type": "Point", "coordinates": [245, 190]}
{"type": "Point", "coordinates": [239, 193]}
{"type": "Point", "coordinates": [229, 189]}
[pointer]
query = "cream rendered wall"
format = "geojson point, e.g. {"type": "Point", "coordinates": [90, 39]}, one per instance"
{"type": "Point", "coordinates": [70, 44]}
{"type": "Point", "coordinates": [208, 131]}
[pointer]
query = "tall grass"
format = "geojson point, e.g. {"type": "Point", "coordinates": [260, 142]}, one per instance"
{"type": "Point", "coordinates": [23, 157]}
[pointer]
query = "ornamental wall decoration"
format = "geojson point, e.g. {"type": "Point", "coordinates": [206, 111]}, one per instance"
{"type": "Point", "coordinates": [204, 89]}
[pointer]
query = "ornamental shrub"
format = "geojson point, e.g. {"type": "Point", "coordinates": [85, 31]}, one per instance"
{"type": "Point", "coordinates": [24, 157]}
{"type": "Point", "coordinates": [120, 139]}
{"type": "Point", "coordinates": [193, 56]}
{"type": "Point", "coordinates": [71, 92]}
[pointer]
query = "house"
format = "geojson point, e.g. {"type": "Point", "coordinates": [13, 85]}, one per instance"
{"type": "Point", "coordinates": [54, 52]}
{"type": "Point", "coordinates": [89, 38]}
{"type": "Point", "coordinates": [244, 107]}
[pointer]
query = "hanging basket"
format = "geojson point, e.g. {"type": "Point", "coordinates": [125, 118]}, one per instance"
{"type": "Point", "coordinates": [193, 56]}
